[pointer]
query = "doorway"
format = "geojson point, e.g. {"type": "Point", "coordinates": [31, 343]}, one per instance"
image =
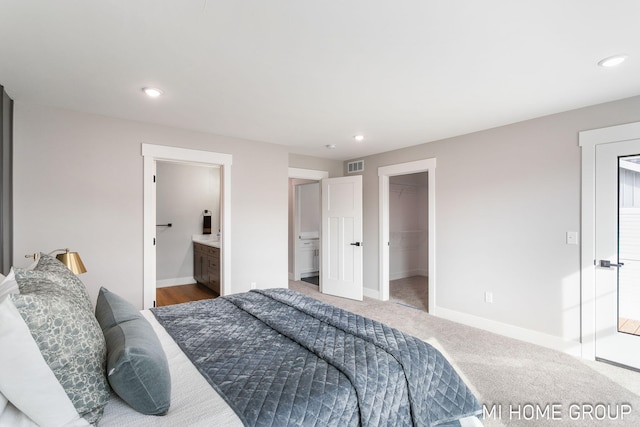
{"type": "Point", "coordinates": [610, 240]}
{"type": "Point", "coordinates": [304, 239]}
{"type": "Point", "coordinates": [306, 229]}
{"type": "Point", "coordinates": [408, 240]}
{"type": "Point", "coordinates": [155, 153]}
{"type": "Point", "coordinates": [184, 192]}
{"type": "Point", "coordinates": [426, 231]}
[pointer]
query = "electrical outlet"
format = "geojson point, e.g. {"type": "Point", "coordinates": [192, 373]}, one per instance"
{"type": "Point", "coordinates": [253, 285]}
{"type": "Point", "coordinates": [488, 297]}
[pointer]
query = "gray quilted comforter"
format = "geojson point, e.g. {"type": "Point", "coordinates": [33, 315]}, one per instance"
{"type": "Point", "coordinates": [281, 358]}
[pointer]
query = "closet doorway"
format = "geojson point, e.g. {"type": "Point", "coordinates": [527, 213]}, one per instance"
{"type": "Point", "coordinates": [407, 233]}
{"type": "Point", "coordinates": [408, 240]}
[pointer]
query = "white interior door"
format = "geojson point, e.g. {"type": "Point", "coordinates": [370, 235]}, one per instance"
{"type": "Point", "coordinates": [617, 252]}
{"type": "Point", "coordinates": [341, 262]}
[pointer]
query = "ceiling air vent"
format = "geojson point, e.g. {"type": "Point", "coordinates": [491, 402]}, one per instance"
{"type": "Point", "coordinates": [355, 166]}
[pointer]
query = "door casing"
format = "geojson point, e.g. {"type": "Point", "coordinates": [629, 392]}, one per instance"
{"type": "Point", "coordinates": [424, 165]}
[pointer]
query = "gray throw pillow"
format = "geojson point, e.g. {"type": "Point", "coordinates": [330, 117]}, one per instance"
{"type": "Point", "coordinates": [137, 367]}
{"type": "Point", "coordinates": [112, 309]}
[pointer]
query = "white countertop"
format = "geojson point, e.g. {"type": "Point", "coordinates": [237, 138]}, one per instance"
{"type": "Point", "coordinates": [207, 239]}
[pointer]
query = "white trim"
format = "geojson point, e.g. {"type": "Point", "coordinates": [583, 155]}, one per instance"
{"type": "Point", "coordinates": [383, 243]}
{"type": "Point", "coordinates": [176, 281]}
{"type": "Point", "coordinates": [153, 153]}
{"type": "Point", "coordinates": [371, 293]}
{"type": "Point", "coordinates": [588, 140]}
{"type": "Point", "coordinates": [308, 174]}
{"type": "Point", "coordinates": [625, 164]}
{"type": "Point", "coordinates": [516, 332]}
{"type": "Point", "coordinates": [384, 172]}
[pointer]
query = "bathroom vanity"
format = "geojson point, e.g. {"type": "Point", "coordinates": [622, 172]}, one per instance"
{"type": "Point", "coordinates": [206, 263]}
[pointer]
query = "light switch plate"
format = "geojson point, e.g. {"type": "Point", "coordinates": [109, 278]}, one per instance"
{"type": "Point", "coordinates": [572, 237]}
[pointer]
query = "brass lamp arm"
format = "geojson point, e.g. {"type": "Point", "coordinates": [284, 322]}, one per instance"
{"type": "Point", "coordinates": [36, 255]}
{"type": "Point", "coordinates": [70, 259]}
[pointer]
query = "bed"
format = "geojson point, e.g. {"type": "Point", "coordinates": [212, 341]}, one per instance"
{"type": "Point", "coordinates": [266, 357]}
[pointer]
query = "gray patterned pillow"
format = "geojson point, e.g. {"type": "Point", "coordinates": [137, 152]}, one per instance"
{"type": "Point", "coordinates": [30, 281]}
{"type": "Point", "coordinates": [50, 268]}
{"type": "Point", "coordinates": [71, 342]}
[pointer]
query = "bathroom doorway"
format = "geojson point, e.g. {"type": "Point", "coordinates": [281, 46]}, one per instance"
{"type": "Point", "coordinates": [152, 154]}
{"type": "Point", "coordinates": [304, 224]}
{"type": "Point", "coordinates": [184, 192]}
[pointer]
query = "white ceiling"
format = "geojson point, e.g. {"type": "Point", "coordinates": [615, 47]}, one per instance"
{"type": "Point", "coordinates": [305, 73]}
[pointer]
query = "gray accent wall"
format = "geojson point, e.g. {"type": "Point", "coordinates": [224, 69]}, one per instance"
{"type": "Point", "coordinates": [6, 182]}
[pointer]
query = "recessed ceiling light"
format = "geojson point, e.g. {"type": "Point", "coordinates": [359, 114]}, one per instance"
{"type": "Point", "coordinates": [330, 146]}
{"type": "Point", "coordinates": [612, 61]}
{"type": "Point", "coordinates": [359, 138]}
{"type": "Point", "coordinates": [152, 91]}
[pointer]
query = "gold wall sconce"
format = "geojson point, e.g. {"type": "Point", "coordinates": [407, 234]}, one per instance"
{"type": "Point", "coordinates": [71, 259]}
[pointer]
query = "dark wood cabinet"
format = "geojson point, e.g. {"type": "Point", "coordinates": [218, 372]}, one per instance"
{"type": "Point", "coordinates": [206, 266]}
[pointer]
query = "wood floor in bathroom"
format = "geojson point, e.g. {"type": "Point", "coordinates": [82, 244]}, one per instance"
{"type": "Point", "coordinates": [183, 293]}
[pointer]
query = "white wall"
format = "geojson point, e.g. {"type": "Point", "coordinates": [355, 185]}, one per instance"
{"type": "Point", "coordinates": [505, 198]}
{"type": "Point", "coordinates": [79, 183]}
{"type": "Point", "coordinates": [334, 167]}
{"type": "Point", "coordinates": [309, 207]}
{"type": "Point", "coordinates": [183, 192]}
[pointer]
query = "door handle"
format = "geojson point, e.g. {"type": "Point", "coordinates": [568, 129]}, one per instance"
{"type": "Point", "coordinates": [356, 244]}
{"type": "Point", "coordinates": [605, 263]}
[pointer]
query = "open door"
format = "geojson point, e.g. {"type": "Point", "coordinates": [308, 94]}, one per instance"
{"type": "Point", "coordinates": [341, 263]}
{"type": "Point", "coordinates": [617, 253]}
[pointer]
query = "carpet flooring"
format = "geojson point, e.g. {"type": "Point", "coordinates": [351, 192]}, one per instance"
{"type": "Point", "coordinates": [519, 384]}
{"type": "Point", "coordinates": [410, 291]}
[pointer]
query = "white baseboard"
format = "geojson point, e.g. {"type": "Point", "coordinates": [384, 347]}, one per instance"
{"type": "Point", "coordinates": [371, 293]}
{"type": "Point", "coordinates": [573, 348]}
{"type": "Point", "coordinates": [174, 282]}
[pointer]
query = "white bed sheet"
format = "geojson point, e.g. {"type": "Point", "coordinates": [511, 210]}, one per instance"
{"type": "Point", "coordinates": [193, 401]}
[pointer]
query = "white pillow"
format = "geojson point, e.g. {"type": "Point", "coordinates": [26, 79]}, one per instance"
{"type": "Point", "coordinates": [10, 416]}
{"type": "Point", "coordinates": [9, 285]}
{"type": "Point", "coordinates": [25, 378]}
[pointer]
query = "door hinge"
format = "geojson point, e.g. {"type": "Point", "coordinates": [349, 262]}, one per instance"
{"type": "Point", "coordinates": [154, 178]}
{"type": "Point", "coordinates": [154, 241]}
{"type": "Point", "coordinates": [154, 303]}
